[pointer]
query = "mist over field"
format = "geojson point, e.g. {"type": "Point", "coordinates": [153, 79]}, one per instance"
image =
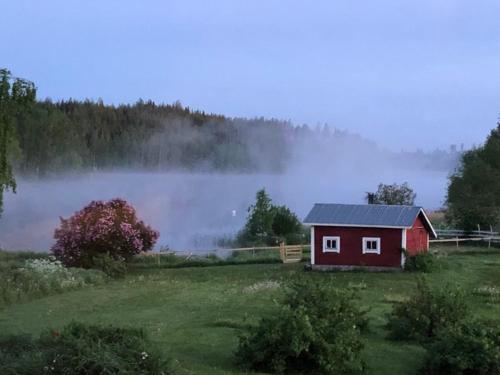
{"type": "Point", "coordinates": [192, 210]}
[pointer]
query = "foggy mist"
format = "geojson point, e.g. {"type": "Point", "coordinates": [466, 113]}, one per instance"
{"type": "Point", "coordinates": [192, 210]}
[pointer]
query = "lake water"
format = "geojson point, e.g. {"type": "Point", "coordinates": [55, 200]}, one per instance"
{"type": "Point", "coordinates": [192, 209]}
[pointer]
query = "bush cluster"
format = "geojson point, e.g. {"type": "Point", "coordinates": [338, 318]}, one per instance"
{"type": "Point", "coordinates": [472, 347]}
{"type": "Point", "coordinates": [317, 330]}
{"type": "Point", "coordinates": [455, 344]}
{"type": "Point", "coordinates": [110, 228]}
{"type": "Point", "coordinates": [109, 265]}
{"type": "Point", "coordinates": [42, 276]}
{"type": "Point", "coordinates": [426, 313]}
{"type": "Point", "coordinates": [421, 262]}
{"type": "Point", "coordinates": [82, 350]}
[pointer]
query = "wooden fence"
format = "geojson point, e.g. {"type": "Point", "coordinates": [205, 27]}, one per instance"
{"type": "Point", "coordinates": [457, 236]}
{"type": "Point", "coordinates": [294, 253]}
{"type": "Point", "coordinates": [288, 253]}
{"type": "Point", "coordinates": [446, 233]}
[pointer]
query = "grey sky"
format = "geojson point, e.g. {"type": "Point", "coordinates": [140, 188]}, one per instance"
{"type": "Point", "coordinates": [404, 73]}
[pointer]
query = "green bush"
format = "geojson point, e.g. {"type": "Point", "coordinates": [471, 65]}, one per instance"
{"type": "Point", "coordinates": [322, 301]}
{"type": "Point", "coordinates": [82, 349]}
{"type": "Point", "coordinates": [426, 313]}
{"type": "Point", "coordinates": [317, 330]}
{"type": "Point", "coordinates": [421, 262]}
{"type": "Point", "coordinates": [470, 348]}
{"type": "Point", "coordinates": [109, 265]}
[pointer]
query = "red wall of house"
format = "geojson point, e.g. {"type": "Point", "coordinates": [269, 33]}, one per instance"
{"type": "Point", "coordinates": [417, 237]}
{"type": "Point", "coordinates": [351, 247]}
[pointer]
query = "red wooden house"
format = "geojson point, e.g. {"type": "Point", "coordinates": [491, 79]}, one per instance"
{"type": "Point", "coordinates": [348, 236]}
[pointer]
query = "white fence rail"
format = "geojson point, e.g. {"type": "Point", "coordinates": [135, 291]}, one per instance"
{"type": "Point", "coordinates": [456, 236]}
{"type": "Point", "coordinates": [462, 233]}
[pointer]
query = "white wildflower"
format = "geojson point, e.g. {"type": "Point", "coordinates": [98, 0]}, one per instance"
{"type": "Point", "coordinates": [263, 285]}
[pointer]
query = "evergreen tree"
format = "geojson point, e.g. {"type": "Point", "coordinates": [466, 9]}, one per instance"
{"type": "Point", "coordinates": [260, 217]}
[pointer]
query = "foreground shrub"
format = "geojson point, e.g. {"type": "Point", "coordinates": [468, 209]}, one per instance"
{"type": "Point", "coordinates": [421, 262]}
{"type": "Point", "coordinates": [470, 348]}
{"type": "Point", "coordinates": [426, 313]}
{"type": "Point", "coordinates": [43, 276]}
{"type": "Point", "coordinates": [110, 228]}
{"type": "Point", "coordinates": [20, 355]}
{"type": "Point", "coordinates": [110, 266]}
{"type": "Point", "coordinates": [316, 330]}
{"type": "Point", "coordinates": [82, 349]}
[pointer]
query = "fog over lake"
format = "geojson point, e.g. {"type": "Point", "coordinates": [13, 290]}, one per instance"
{"type": "Point", "coordinates": [191, 210]}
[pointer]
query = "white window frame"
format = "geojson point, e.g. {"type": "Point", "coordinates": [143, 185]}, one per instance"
{"type": "Point", "coordinates": [334, 238]}
{"type": "Point", "coordinates": [371, 251]}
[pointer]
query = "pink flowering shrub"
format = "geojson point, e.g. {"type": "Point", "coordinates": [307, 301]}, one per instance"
{"type": "Point", "coordinates": [102, 228]}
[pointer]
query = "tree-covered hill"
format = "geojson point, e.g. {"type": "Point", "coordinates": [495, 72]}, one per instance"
{"type": "Point", "coordinates": [75, 135]}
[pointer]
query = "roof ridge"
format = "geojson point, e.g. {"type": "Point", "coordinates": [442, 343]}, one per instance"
{"type": "Point", "coordinates": [368, 204]}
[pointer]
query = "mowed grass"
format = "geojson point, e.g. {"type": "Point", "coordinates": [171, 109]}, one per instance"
{"type": "Point", "coordinates": [194, 314]}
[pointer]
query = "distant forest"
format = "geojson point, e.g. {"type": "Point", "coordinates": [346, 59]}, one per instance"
{"type": "Point", "coordinates": [54, 137]}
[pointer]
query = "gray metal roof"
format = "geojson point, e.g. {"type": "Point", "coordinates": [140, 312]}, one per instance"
{"type": "Point", "coordinates": [375, 215]}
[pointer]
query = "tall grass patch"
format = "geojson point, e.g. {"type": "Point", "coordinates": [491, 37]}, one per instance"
{"type": "Point", "coordinates": [21, 279]}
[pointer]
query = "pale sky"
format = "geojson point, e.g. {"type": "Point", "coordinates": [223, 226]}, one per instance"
{"type": "Point", "coordinates": [407, 74]}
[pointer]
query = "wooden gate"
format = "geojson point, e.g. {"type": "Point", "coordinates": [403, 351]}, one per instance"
{"type": "Point", "coordinates": [290, 254]}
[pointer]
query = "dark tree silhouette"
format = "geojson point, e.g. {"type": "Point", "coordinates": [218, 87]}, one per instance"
{"type": "Point", "coordinates": [392, 194]}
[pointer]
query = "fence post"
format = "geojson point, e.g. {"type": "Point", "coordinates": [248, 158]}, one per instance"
{"type": "Point", "coordinates": [457, 241]}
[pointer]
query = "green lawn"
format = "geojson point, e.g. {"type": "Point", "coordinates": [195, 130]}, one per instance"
{"type": "Point", "coordinates": [190, 311]}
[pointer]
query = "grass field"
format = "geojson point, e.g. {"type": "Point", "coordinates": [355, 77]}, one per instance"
{"type": "Point", "coordinates": [193, 314]}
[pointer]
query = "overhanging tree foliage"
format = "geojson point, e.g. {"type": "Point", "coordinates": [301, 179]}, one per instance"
{"type": "Point", "coordinates": [474, 191]}
{"type": "Point", "coordinates": [16, 95]}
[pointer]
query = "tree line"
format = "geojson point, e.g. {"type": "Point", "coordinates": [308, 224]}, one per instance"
{"type": "Point", "coordinates": [70, 135]}
{"type": "Point", "coordinates": [41, 137]}
{"type": "Point", "coordinates": [474, 191]}
{"type": "Point", "coordinates": [88, 135]}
